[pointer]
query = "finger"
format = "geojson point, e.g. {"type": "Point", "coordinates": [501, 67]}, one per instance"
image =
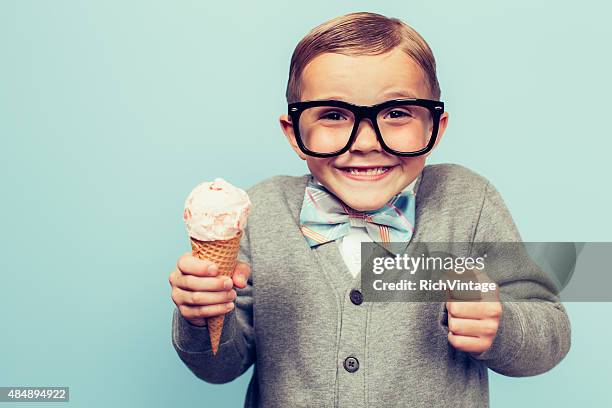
{"type": "Point", "coordinates": [482, 276]}
{"type": "Point", "coordinates": [190, 265]}
{"type": "Point", "coordinates": [485, 279]}
{"type": "Point", "coordinates": [198, 312]}
{"type": "Point", "coordinates": [492, 309]}
{"type": "Point", "coordinates": [241, 274]}
{"type": "Point", "coordinates": [474, 310]}
{"type": "Point", "coordinates": [466, 295]}
{"type": "Point", "coordinates": [466, 310]}
{"type": "Point", "coordinates": [468, 344]}
{"type": "Point", "coordinates": [469, 327]}
{"type": "Point", "coordinates": [185, 297]}
{"type": "Point", "coordinates": [200, 284]}
{"type": "Point", "coordinates": [174, 277]}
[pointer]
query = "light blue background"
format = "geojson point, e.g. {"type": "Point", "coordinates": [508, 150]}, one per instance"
{"type": "Point", "coordinates": [111, 111]}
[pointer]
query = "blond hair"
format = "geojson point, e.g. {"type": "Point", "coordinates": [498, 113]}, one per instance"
{"type": "Point", "coordinates": [361, 34]}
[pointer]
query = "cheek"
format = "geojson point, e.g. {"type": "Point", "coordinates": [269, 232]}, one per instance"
{"type": "Point", "coordinates": [318, 166]}
{"type": "Point", "coordinates": [410, 169]}
{"type": "Point", "coordinates": [413, 164]}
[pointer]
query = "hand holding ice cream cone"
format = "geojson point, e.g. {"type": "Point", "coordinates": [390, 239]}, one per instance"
{"type": "Point", "coordinates": [215, 215]}
{"type": "Point", "coordinates": [200, 293]}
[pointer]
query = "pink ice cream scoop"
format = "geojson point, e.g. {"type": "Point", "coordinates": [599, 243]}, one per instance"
{"type": "Point", "coordinates": [216, 211]}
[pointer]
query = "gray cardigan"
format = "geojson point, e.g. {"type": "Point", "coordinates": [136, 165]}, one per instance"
{"type": "Point", "coordinates": [296, 323]}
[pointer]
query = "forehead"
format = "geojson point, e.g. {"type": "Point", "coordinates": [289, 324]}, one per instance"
{"type": "Point", "coordinates": [363, 79]}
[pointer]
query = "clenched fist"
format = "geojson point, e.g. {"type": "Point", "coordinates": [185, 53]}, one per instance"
{"type": "Point", "coordinates": [199, 293]}
{"type": "Point", "coordinates": [472, 325]}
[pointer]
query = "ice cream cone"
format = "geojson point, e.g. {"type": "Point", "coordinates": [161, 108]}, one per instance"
{"type": "Point", "coordinates": [215, 216]}
{"type": "Point", "coordinates": [224, 253]}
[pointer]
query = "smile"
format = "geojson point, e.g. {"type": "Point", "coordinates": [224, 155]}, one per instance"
{"type": "Point", "coordinates": [365, 173]}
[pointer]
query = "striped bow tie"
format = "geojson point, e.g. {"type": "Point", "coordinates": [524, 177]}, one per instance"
{"type": "Point", "coordinates": [325, 218]}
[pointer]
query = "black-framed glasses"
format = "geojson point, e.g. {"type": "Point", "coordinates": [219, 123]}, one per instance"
{"type": "Point", "coordinates": [404, 127]}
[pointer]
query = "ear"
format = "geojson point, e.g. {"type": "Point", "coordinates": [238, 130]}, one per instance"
{"type": "Point", "coordinates": [441, 129]}
{"type": "Point", "coordinates": [287, 127]}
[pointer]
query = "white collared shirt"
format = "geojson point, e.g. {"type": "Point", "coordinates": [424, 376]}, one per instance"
{"type": "Point", "coordinates": [350, 244]}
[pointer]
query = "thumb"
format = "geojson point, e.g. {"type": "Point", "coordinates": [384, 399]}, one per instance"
{"type": "Point", "coordinates": [241, 274]}
{"type": "Point", "coordinates": [482, 277]}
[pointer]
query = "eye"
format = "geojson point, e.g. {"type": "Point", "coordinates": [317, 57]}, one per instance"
{"type": "Point", "coordinates": [333, 115]}
{"type": "Point", "coordinates": [398, 113]}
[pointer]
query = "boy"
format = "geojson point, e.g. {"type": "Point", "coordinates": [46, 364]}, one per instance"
{"type": "Point", "coordinates": [364, 113]}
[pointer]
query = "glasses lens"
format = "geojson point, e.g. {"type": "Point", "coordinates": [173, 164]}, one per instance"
{"type": "Point", "coordinates": [325, 129]}
{"type": "Point", "coordinates": [406, 128]}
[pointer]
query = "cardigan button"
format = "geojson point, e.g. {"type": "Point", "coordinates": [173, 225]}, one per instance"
{"type": "Point", "coordinates": [351, 364]}
{"type": "Point", "coordinates": [356, 297]}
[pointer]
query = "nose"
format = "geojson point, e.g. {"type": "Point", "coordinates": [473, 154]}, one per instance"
{"type": "Point", "coordinates": [365, 140]}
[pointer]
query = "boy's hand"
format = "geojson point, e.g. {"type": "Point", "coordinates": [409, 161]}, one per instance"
{"type": "Point", "coordinates": [473, 325]}
{"type": "Point", "coordinates": [199, 293]}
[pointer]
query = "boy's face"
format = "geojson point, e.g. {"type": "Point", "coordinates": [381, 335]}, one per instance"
{"type": "Point", "coordinates": [363, 80]}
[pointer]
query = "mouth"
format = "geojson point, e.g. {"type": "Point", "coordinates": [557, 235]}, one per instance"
{"type": "Point", "coordinates": [366, 173]}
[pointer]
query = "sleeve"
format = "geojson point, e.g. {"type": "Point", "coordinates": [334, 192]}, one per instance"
{"type": "Point", "coordinates": [236, 351]}
{"type": "Point", "coordinates": [534, 332]}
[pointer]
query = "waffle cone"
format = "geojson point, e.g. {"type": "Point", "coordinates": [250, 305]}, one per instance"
{"type": "Point", "coordinates": [224, 253]}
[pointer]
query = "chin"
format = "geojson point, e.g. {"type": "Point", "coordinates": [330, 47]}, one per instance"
{"type": "Point", "coordinates": [363, 204]}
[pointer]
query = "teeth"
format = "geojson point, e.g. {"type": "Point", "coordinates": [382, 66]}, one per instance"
{"type": "Point", "coordinates": [368, 172]}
